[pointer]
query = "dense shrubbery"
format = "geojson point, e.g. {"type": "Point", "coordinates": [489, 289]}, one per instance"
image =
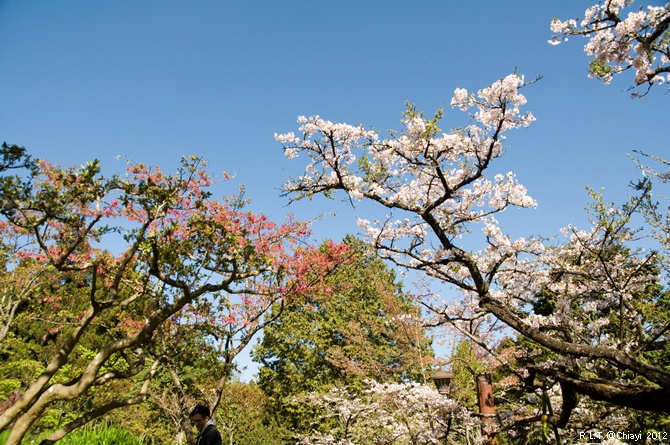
{"type": "Point", "coordinates": [104, 435]}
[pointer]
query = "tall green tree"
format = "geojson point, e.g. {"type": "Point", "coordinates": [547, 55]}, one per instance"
{"type": "Point", "coordinates": [365, 329]}
{"type": "Point", "coordinates": [243, 416]}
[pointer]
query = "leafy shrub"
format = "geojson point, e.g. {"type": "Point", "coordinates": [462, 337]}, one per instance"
{"type": "Point", "coordinates": [104, 435]}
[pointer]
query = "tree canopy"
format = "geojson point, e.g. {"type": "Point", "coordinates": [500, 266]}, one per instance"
{"type": "Point", "coordinates": [102, 264]}
{"type": "Point", "coordinates": [367, 327]}
{"type": "Point", "coordinates": [594, 297]}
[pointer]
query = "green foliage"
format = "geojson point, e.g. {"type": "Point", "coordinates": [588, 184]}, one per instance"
{"type": "Point", "coordinates": [12, 187]}
{"type": "Point", "coordinates": [243, 416]}
{"type": "Point", "coordinates": [364, 329]}
{"type": "Point", "coordinates": [145, 421]}
{"type": "Point", "coordinates": [432, 129]}
{"type": "Point", "coordinates": [465, 366]}
{"type": "Point", "coordinates": [544, 302]}
{"type": "Point", "coordinates": [600, 69]}
{"type": "Point", "coordinates": [106, 435]}
{"type": "Point", "coordinates": [37, 332]}
{"type": "Point", "coordinates": [13, 157]}
{"type": "Point", "coordinates": [373, 172]}
{"type": "Point", "coordinates": [102, 435]}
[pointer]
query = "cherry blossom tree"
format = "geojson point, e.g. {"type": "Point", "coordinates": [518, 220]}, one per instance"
{"type": "Point", "coordinates": [388, 413]}
{"type": "Point", "coordinates": [622, 37]}
{"type": "Point", "coordinates": [118, 258]}
{"type": "Point", "coordinates": [594, 298]}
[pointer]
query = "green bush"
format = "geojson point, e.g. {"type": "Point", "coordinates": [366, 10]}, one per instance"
{"type": "Point", "coordinates": [104, 435]}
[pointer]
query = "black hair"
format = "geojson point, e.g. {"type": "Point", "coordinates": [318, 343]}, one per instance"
{"type": "Point", "coordinates": [202, 410]}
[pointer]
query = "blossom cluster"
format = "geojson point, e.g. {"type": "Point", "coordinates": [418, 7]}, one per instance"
{"type": "Point", "coordinates": [419, 170]}
{"type": "Point", "coordinates": [394, 413]}
{"type": "Point", "coordinates": [617, 43]}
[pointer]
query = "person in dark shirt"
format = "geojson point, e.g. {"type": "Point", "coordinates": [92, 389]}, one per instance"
{"type": "Point", "coordinates": [207, 432]}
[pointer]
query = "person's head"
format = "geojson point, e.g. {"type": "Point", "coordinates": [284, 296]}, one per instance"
{"type": "Point", "coordinates": [200, 416]}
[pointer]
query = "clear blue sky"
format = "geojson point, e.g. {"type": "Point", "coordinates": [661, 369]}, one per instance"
{"type": "Point", "coordinates": [155, 80]}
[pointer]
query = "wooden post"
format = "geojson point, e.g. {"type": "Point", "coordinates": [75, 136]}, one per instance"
{"type": "Point", "coordinates": [486, 407]}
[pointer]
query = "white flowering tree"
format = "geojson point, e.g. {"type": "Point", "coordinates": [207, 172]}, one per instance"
{"type": "Point", "coordinates": [622, 37]}
{"type": "Point", "coordinates": [392, 414]}
{"type": "Point", "coordinates": [594, 299]}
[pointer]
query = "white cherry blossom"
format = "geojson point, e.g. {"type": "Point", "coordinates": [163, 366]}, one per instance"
{"type": "Point", "coordinates": [590, 295]}
{"type": "Point", "coordinates": [619, 41]}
